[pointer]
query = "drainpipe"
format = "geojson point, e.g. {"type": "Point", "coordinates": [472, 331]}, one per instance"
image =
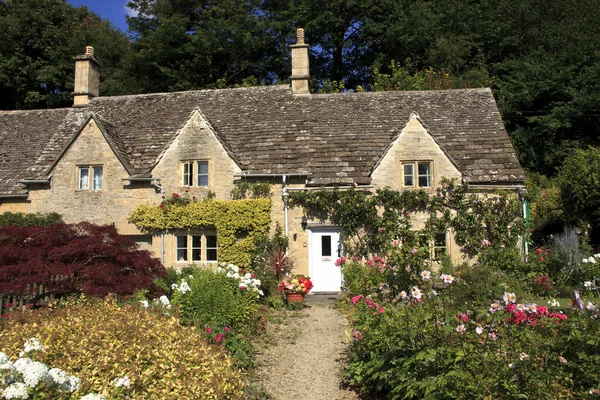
{"type": "Point", "coordinates": [525, 208]}
{"type": "Point", "coordinates": [284, 195]}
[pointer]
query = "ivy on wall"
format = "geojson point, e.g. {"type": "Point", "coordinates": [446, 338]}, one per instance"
{"type": "Point", "coordinates": [237, 222]}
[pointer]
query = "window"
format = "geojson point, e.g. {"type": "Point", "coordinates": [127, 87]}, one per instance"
{"type": "Point", "coordinates": [423, 174]}
{"type": "Point", "coordinates": [196, 247]}
{"type": "Point", "coordinates": [194, 173]}
{"type": "Point", "coordinates": [90, 177]}
{"type": "Point", "coordinates": [439, 245]}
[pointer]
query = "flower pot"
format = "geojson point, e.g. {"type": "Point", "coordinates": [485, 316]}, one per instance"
{"type": "Point", "coordinates": [294, 297]}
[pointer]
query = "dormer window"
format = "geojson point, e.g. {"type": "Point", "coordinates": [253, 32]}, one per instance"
{"type": "Point", "coordinates": [417, 174]}
{"type": "Point", "coordinates": [90, 177]}
{"type": "Point", "coordinates": [194, 173]}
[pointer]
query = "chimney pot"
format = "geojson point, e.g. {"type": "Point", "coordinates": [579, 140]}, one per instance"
{"type": "Point", "coordinates": [89, 51]}
{"type": "Point", "coordinates": [300, 36]}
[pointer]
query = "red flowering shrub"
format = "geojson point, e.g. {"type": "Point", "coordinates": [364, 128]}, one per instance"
{"type": "Point", "coordinates": [69, 259]}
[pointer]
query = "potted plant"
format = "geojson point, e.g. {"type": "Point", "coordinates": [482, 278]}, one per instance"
{"type": "Point", "coordinates": [295, 287]}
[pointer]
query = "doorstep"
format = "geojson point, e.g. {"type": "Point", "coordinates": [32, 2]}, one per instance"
{"type": "Point", "coordinates": [321, 297]}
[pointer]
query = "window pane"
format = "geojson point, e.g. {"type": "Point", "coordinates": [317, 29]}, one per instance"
{"type": "Point", "coordinates": [409, 179]}
{"type": "Point", "coordinates": [97, 181]}
{"type": "Point", "coordinates": [211, 254]}
{"type": "Point", "coordinates": [182, 253]}
{"type": "Point", "coordinates": [202, 167]}
{"type": "Point", "coordinates": [84, 178]}
{"type": "Point", "coordinates": [196, 241]}
{"type": "Point", "coordinates": [211, 241]}
{"type": "Point", "coordinates": [202, 173]}
{"type": "Point", "coordinates": [196, 254]}
{"type": "Point", "coordinates": [325, 246]}
{"type": "Point", "coordinates": [424, 175]}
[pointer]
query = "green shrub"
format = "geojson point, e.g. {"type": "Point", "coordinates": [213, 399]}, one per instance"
{"type": "Point", "coordinates": [100, 341]}
{"type": "Point", "coordinates": [35, 219]}
{"type": "Point", "coordinates": [216, 300]}
{"type": "Point", "coordinates": [360, 278]}
{"type": "Point", "coordinates": [483, 284]}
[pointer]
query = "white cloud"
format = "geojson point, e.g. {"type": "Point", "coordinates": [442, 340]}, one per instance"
{"type": "Point", "coordinates": [129, 11]}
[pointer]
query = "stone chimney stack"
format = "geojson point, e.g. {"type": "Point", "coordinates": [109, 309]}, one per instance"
{"type": "Point", "coordinates": [300, 70]}
{"type": "Point", "coordinates": [87, 78]}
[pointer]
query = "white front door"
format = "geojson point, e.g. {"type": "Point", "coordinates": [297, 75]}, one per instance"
{"type": "Point", "coordinates": [324, 250]}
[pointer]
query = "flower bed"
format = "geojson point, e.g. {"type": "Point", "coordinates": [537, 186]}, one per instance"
{"type": "Point", "coordinates": [410, 341]}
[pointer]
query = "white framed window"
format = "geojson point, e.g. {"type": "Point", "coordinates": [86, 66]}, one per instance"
{"type": "Point", "coordinates": [194, 173]}
{"type": "Point", "coordinates": [90, 177]}
{"type": "Point", "coordinates": [196, 247]}
{"type": "Point", "coordinates": [417, 174]}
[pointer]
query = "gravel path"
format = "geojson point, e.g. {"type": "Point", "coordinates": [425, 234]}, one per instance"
{"type": "Point", "coordinates": [302, 362]}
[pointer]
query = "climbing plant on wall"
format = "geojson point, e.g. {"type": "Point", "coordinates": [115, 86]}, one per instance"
{"type": "Point", "coordinates": [237, 222]}
{"type": "Point", "coordinates": [371, 222]}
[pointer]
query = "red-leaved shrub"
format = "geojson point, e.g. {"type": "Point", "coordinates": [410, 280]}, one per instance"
{"type": "Point", "coordinates": [74, 258]}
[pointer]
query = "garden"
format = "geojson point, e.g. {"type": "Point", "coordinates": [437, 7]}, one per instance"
{"type": "Point", "coordinates": [104, 319]}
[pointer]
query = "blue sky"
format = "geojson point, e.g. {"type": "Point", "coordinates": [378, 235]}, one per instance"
{"type": "Point", "coordinates": [113, 10]}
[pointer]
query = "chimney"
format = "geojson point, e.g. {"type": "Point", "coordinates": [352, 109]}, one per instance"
{"type": "Point", "coordinates": [300, 69]}
{"type": "Point", "coordinates": [87, 78]}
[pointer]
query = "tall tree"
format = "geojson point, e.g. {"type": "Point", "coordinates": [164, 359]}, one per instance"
{"type": "Point", "coordinates": [38, 39]}
{"type": "Point", "coordinates": [199, 43]}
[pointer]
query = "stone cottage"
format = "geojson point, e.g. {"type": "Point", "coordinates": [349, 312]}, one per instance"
{"type": "Point", "coordinates": [100, 159]}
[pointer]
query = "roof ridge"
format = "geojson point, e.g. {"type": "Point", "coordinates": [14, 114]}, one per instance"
{"type": "Point", "coordinates": [388, 92]}
{"type": "Point", "coordinates": [190, 92]}
{"type": "Point", "coordinates": [7, 112]}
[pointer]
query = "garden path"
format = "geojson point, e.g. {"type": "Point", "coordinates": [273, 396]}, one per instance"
{"type": "Point", "coordinates": [303, 360]}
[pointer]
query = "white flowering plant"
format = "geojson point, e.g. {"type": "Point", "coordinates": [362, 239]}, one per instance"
{"type": "Point", "coordinates": [245, 279]}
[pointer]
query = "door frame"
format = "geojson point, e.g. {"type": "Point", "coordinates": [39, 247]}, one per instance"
{"type": "Point", "coordinates": [311, 266]}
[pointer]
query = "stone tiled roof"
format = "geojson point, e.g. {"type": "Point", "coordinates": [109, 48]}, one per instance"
{"type": "Point", "coordinates": [336, 138]}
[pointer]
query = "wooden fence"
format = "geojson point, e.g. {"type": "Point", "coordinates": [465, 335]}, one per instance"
{"type": "Point", "coordinates": [37, 295]}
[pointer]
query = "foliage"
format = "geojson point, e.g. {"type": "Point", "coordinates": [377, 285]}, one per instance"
{"type": "Point", "coordinates": [237, 222]}
{"type": "Point", "coordinates": [579, 181]}
{"type": "Point", "coordinates": [99, 341]}
{"type": "Point", "coordinates": [70, 259]}
{"type": "Point", "coordinates": [546, 211]}
{"type": "Point", "coordinates": [35, 219]}
{"type": "Point", "coordinates": [401, 78]}
{"type": "Point", "coordinates": [214, 299]}
{"type": "Point", "coordinates": [297, 283]}
{"type": "Point", "coordinates": [258, 190]}
{"type": "Point", "coordinates": [427, 345]}
{"type": "Point", "coordinates": [483, 284]}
